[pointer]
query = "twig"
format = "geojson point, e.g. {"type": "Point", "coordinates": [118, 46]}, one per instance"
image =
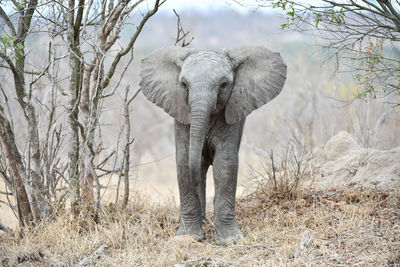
{"type": "Point", "coordinates": [4, 228]}
{"type": "Point", "coordinates": [6, 193]}
{"type": "Point", "coordinates": [273, 170]}
{"type": "Point", "coordinates": [104, 161]}
{"type": "Point", "coordinates": [180, 32]}
{"type": "Point", "coordinates": [26, 72]}
{"type": "Point", "coordinates": [134, 96]}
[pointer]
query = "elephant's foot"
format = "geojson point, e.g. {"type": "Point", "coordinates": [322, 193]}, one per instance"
{"type": "Point", "coordinates": [227, 234]}
{"type": "Point", "coordinates": [193, 229]}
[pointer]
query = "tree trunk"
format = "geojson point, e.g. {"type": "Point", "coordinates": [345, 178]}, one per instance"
{"type": "Point", "coordinates": [25, 214]}
{"type": "Point", "coordinates": [127, 146]}
{"type": "Point", "coordinates": [73, 28]}
{"type": "Point", "coordinates": [39, 206]}
{"type": "Point", "coordinates": [36, 175]}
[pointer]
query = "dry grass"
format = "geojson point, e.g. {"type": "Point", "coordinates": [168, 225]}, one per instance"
{"type": "Point", "coordinates": [344, 228]}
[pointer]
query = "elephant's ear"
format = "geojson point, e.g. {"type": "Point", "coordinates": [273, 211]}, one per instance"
{"type": "Point", "coordinates": [260, 76]}
{"type": "Point", "coordinates": [159, 81]}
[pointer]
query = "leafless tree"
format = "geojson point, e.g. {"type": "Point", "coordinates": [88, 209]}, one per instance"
{"type": "Point", "coordinates": [84, 34]}
{"type": "Point", "coordinates": [91, 77]}
{"type": "Point", "coordinates": [27, 176]}
{"type": "Point", "coordinates": [124, 170]}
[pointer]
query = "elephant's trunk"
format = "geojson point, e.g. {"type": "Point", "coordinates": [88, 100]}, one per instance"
{"type": "Point", "coordinates": [198, 127]}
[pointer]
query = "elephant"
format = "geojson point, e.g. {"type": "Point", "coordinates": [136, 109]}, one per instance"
{"type": "Point", "coordinates": [209, 94]}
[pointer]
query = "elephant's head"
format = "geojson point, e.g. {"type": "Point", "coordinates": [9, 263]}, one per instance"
{"type": "Point", "coordinates": [191, 86]}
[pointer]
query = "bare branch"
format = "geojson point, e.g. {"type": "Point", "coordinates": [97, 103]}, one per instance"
{"type": "Point", "coordinates": [8, 21]}
{"type": "Point", "coordinates": [11, 65]}
{"type": "Point", "coordinates": [347, 29]}
{"type": "Point", "coordinates": [181, 35]}
{"type": "Point", "coordinates": [25, 72]}
{"type": "Point", "coordinates": [123, 52]}
{"type": "Point", "coordinates": [134, 96]}
{"type": "Point", "coordinates": [6, 193]}
{"type": "Point", "coordinates": [3, 228]}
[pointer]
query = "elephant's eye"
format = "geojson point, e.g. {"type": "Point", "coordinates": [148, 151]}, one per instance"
{"type": "Point", "coordinates": [223, 85]}
{"type": "Point", "coordinates": [184, 85]}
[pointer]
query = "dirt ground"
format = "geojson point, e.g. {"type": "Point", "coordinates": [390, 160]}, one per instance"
{"type": "Point", "coordinates": [287, 224]}
{"type": "Point", "coordinates": [354, 227]}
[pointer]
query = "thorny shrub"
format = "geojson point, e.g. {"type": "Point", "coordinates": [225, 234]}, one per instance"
{"type": "Point", "coordinates": [281, 178]}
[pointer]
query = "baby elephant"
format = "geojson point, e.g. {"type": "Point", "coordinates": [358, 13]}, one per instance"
{"type": "Point", "coordinates": [209, 94]}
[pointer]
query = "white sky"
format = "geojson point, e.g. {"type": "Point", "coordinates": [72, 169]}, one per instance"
{"type": "Point", "coordinates": [207, 5]}
{"type": "Point", "coordinates": [198, 5]}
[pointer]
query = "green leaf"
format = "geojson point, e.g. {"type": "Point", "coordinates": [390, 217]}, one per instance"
{"type": "Point", "coordinates": [291, 12]}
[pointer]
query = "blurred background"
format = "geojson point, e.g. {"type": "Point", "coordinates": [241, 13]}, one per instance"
{"type": "Point", "coordinates": [316, 103]}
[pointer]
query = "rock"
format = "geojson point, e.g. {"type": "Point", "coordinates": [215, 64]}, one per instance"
{"type": "Point", "coordinates": [381, 168]}
{"type": "Point", "coordinates": [340, 145]}
{"type": "Point", "coordinates": [342, 162]}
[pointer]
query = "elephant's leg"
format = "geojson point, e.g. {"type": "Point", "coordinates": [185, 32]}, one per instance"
{"type": "Point", "coordinates": [190, 216]}
{"type": "Point", "coordinates": [225, 168]}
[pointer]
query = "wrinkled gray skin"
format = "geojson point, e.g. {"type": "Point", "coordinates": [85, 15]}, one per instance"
{"type": "Point", "coordinates": [210, 94]}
